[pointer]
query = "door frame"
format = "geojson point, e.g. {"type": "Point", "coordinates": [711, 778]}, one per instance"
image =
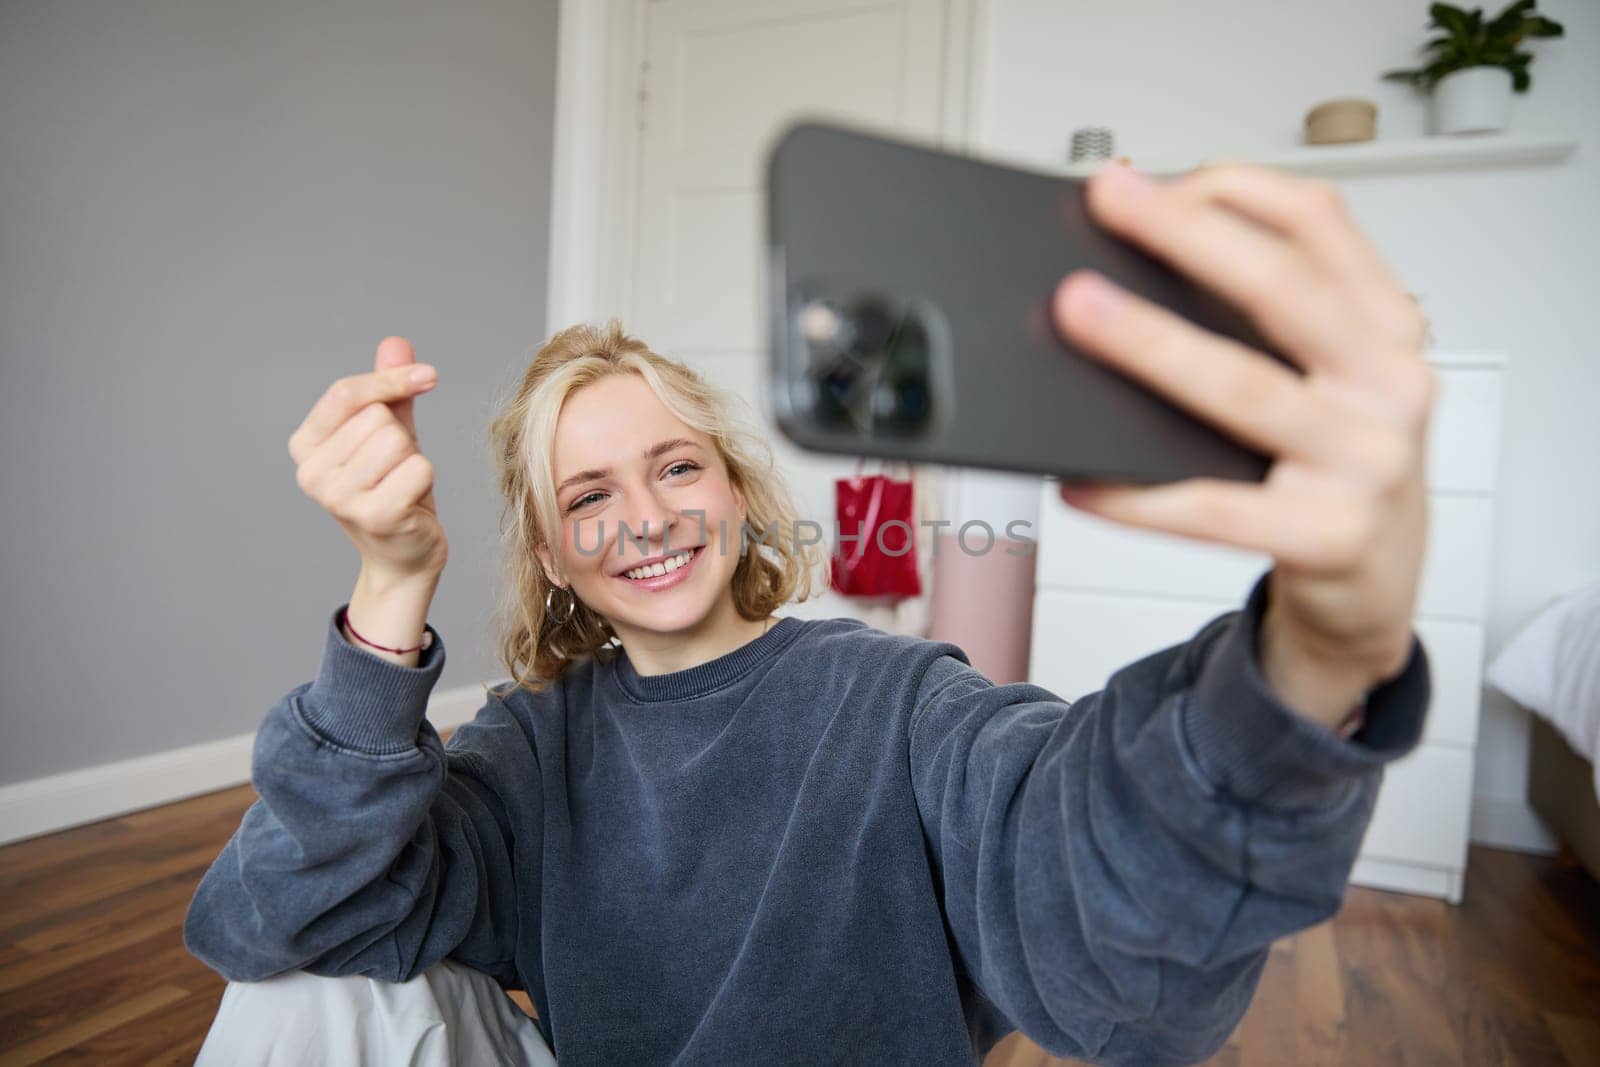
{"type": "Point", "coordinates": [600, 51]}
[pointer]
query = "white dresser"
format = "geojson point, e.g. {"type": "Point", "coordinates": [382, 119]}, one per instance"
{"type": "Point", "coordinates": [1106, 595]}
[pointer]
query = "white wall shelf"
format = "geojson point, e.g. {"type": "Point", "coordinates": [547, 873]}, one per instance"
{"type": "Point", "coordinates": [1372, 158]}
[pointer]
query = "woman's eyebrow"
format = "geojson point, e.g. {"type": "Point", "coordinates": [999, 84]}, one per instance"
{"type": "Point", "coordinates": [650, 453]}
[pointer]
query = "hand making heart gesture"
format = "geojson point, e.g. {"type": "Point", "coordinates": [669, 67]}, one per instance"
{"type": "Point", "coordinates": [1343, 509]}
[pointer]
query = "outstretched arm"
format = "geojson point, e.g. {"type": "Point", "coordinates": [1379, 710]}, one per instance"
{"type": "Point", "coordinates": [1114, 870]}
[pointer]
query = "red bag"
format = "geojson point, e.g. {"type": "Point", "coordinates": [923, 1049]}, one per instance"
{"type": "Point", "coordinates": [882, 561]}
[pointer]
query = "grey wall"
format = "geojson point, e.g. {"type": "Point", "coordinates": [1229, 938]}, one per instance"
{"type": "Point", "coordinates": [208, 211]}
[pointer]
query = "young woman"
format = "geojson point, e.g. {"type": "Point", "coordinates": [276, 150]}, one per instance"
{"type": "Point", "coordinates": [698, 832]}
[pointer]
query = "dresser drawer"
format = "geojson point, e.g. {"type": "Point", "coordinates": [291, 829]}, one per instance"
{"type": "Point", "coordinates": [1082, 551]}
{"type": "Point", "coordinates": [1455, 662]}
{"type": "Point", "coordinates": [1463, 435]}
{"type": "Point", "coordinates": [1424, 809]}
{"type": "Point", "coordinates": [1081, 638]}
{"type": "Point", "coordinates": [1455, 574]}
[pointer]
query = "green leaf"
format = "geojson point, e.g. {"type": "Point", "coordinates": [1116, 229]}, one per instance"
{"type": "Point", "coordinates": [1451, 19]}
{"type": "Point", "coordinates": [1439, 68]}
{"type": "Point", "coordinates": [1520, 80]}
{"type": "Point", "coordinates": [1510, 19]}
{"type": "Point", "coordinates": [1539, 26]}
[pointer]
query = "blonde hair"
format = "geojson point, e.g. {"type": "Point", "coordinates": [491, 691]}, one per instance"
{"type": "Point", "coordinates": [772, 570]}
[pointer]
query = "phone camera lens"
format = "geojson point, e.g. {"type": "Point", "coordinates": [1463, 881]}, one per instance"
{"type": "Point", "coordinates": [838, 382]}
{"type": "Point", "coordinates": [821, 324]}
{"type": "Point", "coordinates": [874, 326]}
{"type": "Point", "coordinates": [902, 400]}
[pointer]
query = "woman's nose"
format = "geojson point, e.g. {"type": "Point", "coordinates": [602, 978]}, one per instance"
{"type": "Point", "coordinates": [652, 525]}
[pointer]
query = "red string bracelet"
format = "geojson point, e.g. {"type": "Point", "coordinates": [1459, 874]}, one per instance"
{"type": "Point", "coordinates": [427, 637]}
{"type": "Point", "coordinates": [1353, 722]}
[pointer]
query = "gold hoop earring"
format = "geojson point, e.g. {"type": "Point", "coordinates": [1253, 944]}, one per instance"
{"type": "Point", "coordinates": [572, 606]}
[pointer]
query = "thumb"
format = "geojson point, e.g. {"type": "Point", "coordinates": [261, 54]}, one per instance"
{"type": "Point", "coordinates": [397, 352]}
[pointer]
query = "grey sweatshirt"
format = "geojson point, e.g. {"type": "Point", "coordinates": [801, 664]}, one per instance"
{"type": "Point", "coordinates": [830, 845]}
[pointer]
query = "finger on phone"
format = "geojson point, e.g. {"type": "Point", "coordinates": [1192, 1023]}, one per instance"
{"type": "Point", "coordinates": [1311, 210]}
{"type": "Point", "coordinates": [1254, 399]}
{"type": "Point", "coordinates": [1250, 266]}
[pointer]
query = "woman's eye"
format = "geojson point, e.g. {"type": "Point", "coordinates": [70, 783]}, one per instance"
{"type": "Point", "coordinates": [685, 465]}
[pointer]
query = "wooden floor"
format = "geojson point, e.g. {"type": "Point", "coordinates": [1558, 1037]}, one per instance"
{"type": "Point", "coordinates": [93, 969]}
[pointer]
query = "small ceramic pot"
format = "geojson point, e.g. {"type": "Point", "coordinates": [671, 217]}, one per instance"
{"type": "Point", "coordinates": [1473, 100]}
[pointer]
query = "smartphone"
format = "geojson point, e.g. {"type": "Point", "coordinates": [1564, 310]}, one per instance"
{"type": "Point", "coordinates": [909, 317]}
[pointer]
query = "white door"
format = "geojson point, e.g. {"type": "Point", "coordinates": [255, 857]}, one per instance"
{"type": "Point", "coordinates": [720, 79]}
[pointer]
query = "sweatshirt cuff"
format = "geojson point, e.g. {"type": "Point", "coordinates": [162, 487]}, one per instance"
{"type": "Point", "coordinates": [1251, 745]}
{"type": "Point", "coordinates": [363, 702]}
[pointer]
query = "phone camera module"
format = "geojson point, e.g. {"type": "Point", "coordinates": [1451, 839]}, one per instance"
{"type": "Point", "coordinates": [869, 366]}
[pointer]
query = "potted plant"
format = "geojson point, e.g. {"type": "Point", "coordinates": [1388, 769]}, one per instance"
{"type": "Point", "coordinates": [1474, 67]}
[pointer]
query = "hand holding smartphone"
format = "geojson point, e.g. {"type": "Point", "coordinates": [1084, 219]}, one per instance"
{"type": "Point", "coordinates": [1230, 334]}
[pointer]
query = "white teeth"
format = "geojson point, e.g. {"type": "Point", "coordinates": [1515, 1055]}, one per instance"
{"type": "Point", "coordinates": [655, 570]}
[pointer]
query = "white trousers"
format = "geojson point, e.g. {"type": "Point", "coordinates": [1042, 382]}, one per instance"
{"type": "Point", "coordinates": [450, 1014]}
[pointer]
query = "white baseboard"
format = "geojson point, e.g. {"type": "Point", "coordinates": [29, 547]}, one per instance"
{"type": "Point", "coordinates": [1407, 878]}
{"type": "Point", "coordinates": [44, 805]}
{"type": "Point", "coordinates": [1512, 824]}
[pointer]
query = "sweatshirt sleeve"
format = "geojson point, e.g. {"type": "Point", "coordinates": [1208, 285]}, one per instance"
{"type": "Point", "coordinates": [372, 849]}
{"type": "Point", "coordinates": [1115, 870]}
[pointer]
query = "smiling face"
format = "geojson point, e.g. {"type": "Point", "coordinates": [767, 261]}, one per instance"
{"type": "Point", "coordinates": [621, 458]}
